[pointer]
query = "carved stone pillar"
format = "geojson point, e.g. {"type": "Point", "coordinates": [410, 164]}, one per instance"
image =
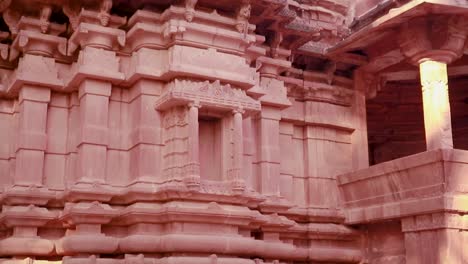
{"type": "Point", "coordinates": [437, 122]}
{"type": "Point", "coordinates": [434, 238]}
{"type": "Point", "coordinates": [238, 182]}
{"type": "Point", "coordinates": [268, 129]}
{"type": "Point", "coordinates": [432, 51]}
{"type": "Point", "coordinates": [268, 151]}
{"type": "Point", "coordinates": [192, 169]}
{"type": "Point", "coordinates": [145, 136]}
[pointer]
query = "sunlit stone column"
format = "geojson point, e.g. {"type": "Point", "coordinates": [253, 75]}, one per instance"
{"type": "Point", "coordinates": [192, 175]}
{"type": "Point", "coordinates": [432, 51]}
{"type": "Point", "coordinates": [437, 122]}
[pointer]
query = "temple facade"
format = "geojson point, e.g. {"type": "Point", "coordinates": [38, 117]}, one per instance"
{"type": "Point", "coordinates": [233, 131]}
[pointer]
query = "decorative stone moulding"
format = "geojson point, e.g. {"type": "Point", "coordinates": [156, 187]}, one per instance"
{"type": "Point", "coordinates": [191, 62]}
{"type": "Point", "coordinates": [270, 67]}
{"type": "Point", "coordinates": [86, 237]}
{"type": "Point", "coordinates": [193, 212]}
{"type": "Point", "coordinates": [145, 31]}
{"type": "Point", "coordinates": [90, 191]}
{"type": "Point", "coordinates": [26, 195]}
{"type": "Point", "coordinates": [213, 95]}
{"type": "Point", "coordinates": [206, 30]}
{"type": "Point", "coordinates": [33, 70]}
{"type": "Point", "coordinates": [318, 91]}
{"type": "Point", "coordinates": [113, 171]}
{"type": "Point", "coordinates": [25, 220]}
{"type": "Point", "coordinates": [328, 231]}
{"type": "Point", "coordinates": [427, 182]}
{"type": "Point", "coordinates": [96, 64]}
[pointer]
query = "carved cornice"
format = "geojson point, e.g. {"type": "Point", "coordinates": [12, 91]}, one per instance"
{"type": "Point", "coordinates": [162, 30]}
{"type": "Point", "coordinates": [319, 87]}
{"type": "Point", "coordinates": [302, 21]}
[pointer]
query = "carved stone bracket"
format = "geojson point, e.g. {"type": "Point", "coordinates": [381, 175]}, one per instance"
{"type": "Point", "coordinates": [77, 13]}
{"type": "Point", "coordinates": [35, 35]}
{"type": "Point", "coordinates": [190, 9]}
{"type": "Point", "coordinates": [421, 38]}
{"type": "Point", "coordinates": [373, 83]}
{"type": "Point", "coordinates": [243, 15]}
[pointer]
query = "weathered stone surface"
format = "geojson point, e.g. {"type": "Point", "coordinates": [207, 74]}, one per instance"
{"type": "Point", "coordinates": [232, 132]}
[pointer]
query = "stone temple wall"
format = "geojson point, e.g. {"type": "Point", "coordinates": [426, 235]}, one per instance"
{"type": "Point", "coordinates": [170, 137]}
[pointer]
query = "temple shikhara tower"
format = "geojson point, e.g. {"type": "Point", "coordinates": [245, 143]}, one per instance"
{"type": "Point", "coordinates": [233, 131]}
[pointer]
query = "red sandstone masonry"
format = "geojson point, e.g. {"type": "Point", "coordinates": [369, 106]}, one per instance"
{"type": "Point", "coordinates": [230, 132]}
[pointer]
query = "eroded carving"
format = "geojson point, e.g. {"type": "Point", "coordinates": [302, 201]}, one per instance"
{"type": "Point", "coordinates": [243, 16]}
{"type": "Point", "coordinates": [190, 9]}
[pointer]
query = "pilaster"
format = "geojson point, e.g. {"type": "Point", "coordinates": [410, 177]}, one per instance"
{"type": "Point", "coordinates": [94, 73]}
{"type": "Point", "coordinates": [268, 128]}
{"type": "Point", "coordinates": [236, 178]}
{"type": "Point", "coordinates": [145, 136]}
{"type": "Point", "coordinates": [34, 91]}
{"type": "Point", "coordinates": [192, 168]}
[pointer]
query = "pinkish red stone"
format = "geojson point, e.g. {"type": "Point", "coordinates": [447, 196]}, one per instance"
{"type": "Point", "coordinates": [230, 132]}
